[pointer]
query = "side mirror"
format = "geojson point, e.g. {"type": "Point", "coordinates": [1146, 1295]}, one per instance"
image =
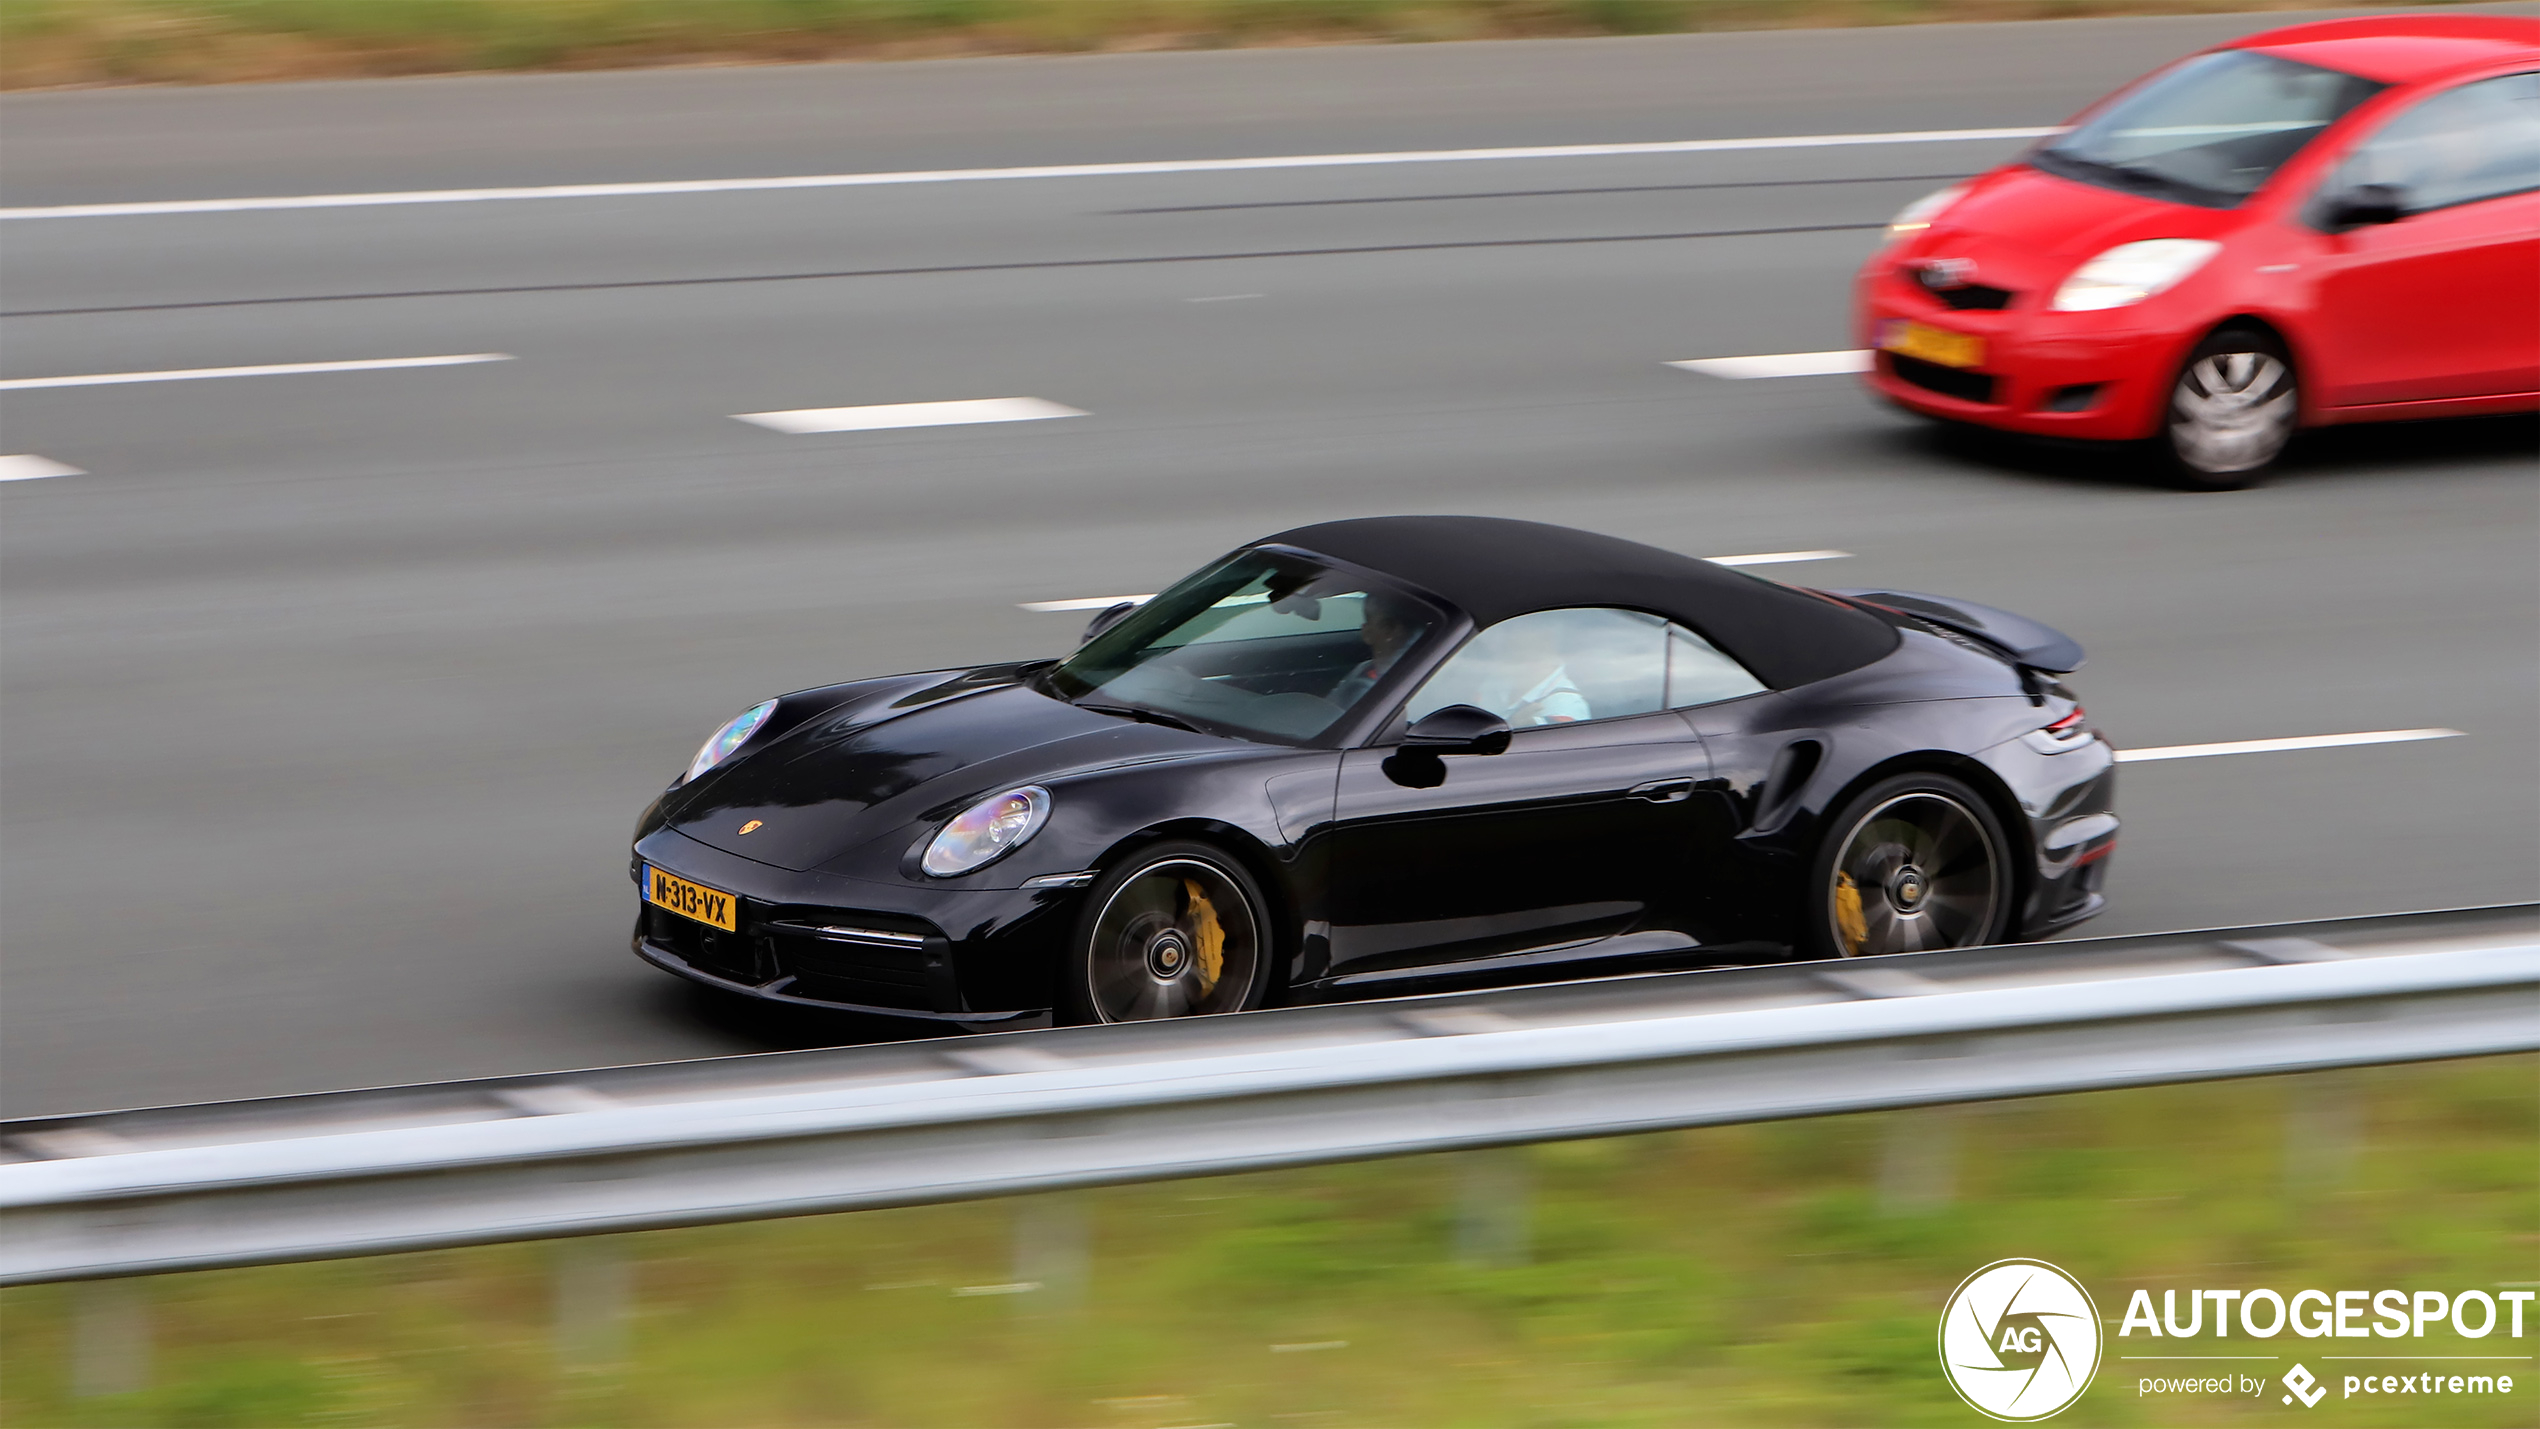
{"type": "Point", "coordinates": [1457, 729]}
{"type": "Point", "coordinates": [1109, 618]}
{"type": "Point", "coordinates": [2365, 205]}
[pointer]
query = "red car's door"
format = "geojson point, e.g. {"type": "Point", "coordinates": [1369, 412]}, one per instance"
{"type": "Point", "coordinates": [2445, 302]}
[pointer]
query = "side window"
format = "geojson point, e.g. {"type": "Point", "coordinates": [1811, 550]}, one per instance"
{"type": "Point", "coordinates": [2478, 141]}
{"type": "Point", "coordinates": [1699, 673]}
{"type": "Point", "coordinates": [1556, 667]}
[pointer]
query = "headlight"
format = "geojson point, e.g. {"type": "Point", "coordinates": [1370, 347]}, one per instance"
{"type": "Point", "coordinates": [721, 744]}
{"type": "Point", "coordinates": [987, 831]}
{"type": "Point", "coordinates": [2130, 272]}
{"type": "Point", "coordinates": [1919, 214]}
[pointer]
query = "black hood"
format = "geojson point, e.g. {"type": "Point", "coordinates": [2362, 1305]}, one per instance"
{"type": "Point", "coordinates": [813, 791]}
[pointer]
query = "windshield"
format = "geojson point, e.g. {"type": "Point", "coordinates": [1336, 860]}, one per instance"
{"type": "Point", "coordinates": [1268, 644]}
{"type": "Point", "coordinates": [2209, 132]}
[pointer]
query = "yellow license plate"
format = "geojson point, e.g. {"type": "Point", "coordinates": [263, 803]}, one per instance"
{"type": "Point", "coordinates": [1931, 344]}
{"type": "Point", "coordinates": [689, 900]}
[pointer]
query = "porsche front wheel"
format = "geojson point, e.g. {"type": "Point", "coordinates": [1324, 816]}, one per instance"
{"type": "Point", "coordinates": [2232, 410]}
{"type": "Point", "coordinates": [1175, 930]}
{"type": "Point", "coordinates": [1913, 863]}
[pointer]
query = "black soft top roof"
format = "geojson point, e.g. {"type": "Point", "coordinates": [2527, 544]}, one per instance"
{"type": "Point", "coordinates": [1494, 568]}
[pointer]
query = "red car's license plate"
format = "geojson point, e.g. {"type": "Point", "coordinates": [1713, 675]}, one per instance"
{"type": "Point", "coordinates": [1931, 344]}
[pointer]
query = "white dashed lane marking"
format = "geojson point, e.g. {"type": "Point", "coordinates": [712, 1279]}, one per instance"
{"type": "Point", "coordinates": [277, 369]}
{"type": "Point", "coordinates": [907, 414]}
{"type": "Point", "coordinates": [1083, 602]}
{"type": "Point", "coordinates": [2271, 746]}
{"type": "Point", "coordinates": [1778, 558]}
{"type": "Point", "coordinates": [1779, 364]}
{"type": "Point", "coordinates": [25, 467]}
{"type": "Point", "coordinates": [1053, 171]}
{"type": "Point", "coordinates": [1106, 602]}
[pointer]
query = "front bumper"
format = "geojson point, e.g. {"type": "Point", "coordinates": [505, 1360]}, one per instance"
{"type": "Point", "coordinates": [2101, 376]}
{"type": "Point", "coordinates": [780, 989]}
{"type": "Point", "coordinates": [971, 957]}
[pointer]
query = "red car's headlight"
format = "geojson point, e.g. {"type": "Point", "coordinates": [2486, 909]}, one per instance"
{"type": "Point", "coordinates": [2130, 272]}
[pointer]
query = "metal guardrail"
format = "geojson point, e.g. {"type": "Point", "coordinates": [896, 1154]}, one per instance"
{"type": "Point", "coordinates": [737, 1138]}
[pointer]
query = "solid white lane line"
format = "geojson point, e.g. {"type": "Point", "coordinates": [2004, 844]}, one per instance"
{"type": "Point", "coordinates": [1765, 558]}
{"type": "Point", "coordinates": [1779, 364]}
{"type": "Point", "coordinates": [24, 467]}
{"type": "Point", "coordinates": [907, 414]}
{"type": "Point", "coordinates": [1778, 558]}
{"type": "Point", "coordinates": [1048, 171]}
{"type": "Point", "coordinates": [2270, 746]}
{"type": "Point", "coordinates": [279, 369]}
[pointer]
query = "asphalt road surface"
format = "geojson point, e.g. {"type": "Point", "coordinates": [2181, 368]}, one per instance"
{"type": "Point", "coordinates": [329, 698]}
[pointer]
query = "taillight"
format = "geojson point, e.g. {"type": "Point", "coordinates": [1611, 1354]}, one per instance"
{"type": "Point", "coordinates": [2071, 729]}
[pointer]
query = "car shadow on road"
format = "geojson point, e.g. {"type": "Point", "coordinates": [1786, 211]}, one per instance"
{"type": "Point", "coordinates": [778, 1027]}
{"type": "Point", "coordinates": [2372, 448]}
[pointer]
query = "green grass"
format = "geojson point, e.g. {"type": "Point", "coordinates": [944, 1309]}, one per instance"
{"type": "Point", "coordinates": [68, 42]}
{"type": "Point", "coordinates": [1732, 1276]}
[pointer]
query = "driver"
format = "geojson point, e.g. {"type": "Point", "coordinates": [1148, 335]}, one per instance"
{"type": "Point", "coordinates": [1388, 631]}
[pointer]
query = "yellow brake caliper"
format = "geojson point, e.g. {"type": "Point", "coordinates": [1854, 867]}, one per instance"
{"type": "Point", "coordinates": [1211, 936]}
{"type": "Point", "coordinates": [1847, 915]}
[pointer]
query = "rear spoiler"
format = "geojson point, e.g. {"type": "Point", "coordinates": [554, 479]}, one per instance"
{"type": "Point", "coordinates": [2028, 642]}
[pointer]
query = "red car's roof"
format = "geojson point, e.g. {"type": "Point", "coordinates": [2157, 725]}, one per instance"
{"type": "Point", "coordinates": [2403, 49]}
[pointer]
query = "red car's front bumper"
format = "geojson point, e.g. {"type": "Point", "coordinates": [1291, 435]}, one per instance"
{"type": "Point", "coordinates": [2101, 376]}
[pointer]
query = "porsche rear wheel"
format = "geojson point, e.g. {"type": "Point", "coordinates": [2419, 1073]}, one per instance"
{"type": "Point", "coordinates": [1177, 930]}
{"type": "Point", "coordinates": [2232, 410]}
{"type": "Point", "coordinates": [1913, 863]}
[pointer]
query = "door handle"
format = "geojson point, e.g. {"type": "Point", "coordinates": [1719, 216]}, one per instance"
{"type": "Point", "coordinates": [1664, 791]}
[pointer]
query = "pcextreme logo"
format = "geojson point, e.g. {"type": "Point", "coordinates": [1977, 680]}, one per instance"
{"type": "Point", "coordinates": [2019, 1340]}
{"type": "Point", "coordinates": [2457, 1366]}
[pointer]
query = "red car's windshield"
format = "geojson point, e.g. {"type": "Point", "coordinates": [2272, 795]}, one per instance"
{"type": "Point", "coordinates": [2209, 132]}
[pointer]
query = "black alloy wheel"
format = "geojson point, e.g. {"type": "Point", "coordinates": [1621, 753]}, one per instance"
{"type": "Point", "coordinates": [1176, 930]}
{"type": "Point", "coordinates": [2232, 410]}
{"type": "Point", "coordinates": [1913, 863]}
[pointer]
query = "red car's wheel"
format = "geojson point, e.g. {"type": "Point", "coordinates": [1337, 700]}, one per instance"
{"type": "Point", "coordinates": [2232, 410]}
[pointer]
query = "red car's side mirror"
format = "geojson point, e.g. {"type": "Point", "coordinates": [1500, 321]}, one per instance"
{"type": "Point", "coordinates": [2365, 205]}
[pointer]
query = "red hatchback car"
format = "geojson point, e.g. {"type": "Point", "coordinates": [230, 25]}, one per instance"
{"type": "Point", "coordinates": [2337, 222]}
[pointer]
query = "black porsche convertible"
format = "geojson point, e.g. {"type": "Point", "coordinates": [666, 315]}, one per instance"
{"type": "Point", "coordinates": [1388, 755]}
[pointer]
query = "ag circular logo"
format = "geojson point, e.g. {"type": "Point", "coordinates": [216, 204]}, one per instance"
{"type": "Point", "coordinates": [2020, 1340]}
